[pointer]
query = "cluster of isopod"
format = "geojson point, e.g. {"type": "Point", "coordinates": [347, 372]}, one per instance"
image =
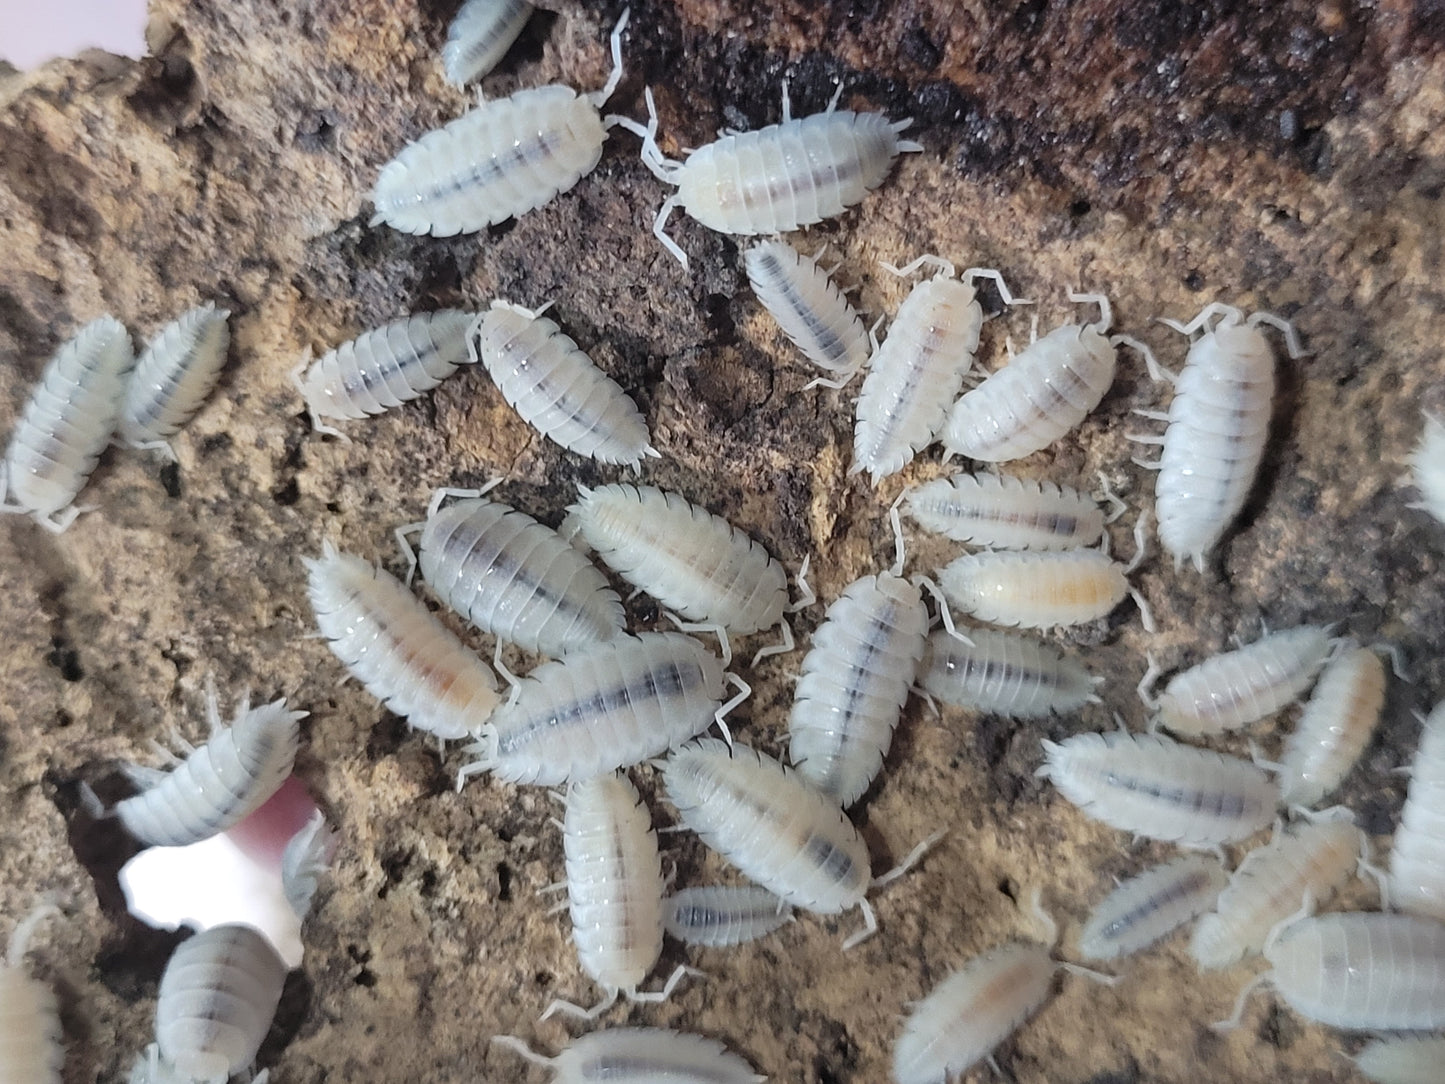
{"type": "Point", "coordinates": [608, 700]}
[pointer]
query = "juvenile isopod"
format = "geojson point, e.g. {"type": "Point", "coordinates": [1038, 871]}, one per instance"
{"type": "Point", "coordinates": [173, 377]}
{"type": "Point", "coordinates": [920, 367]}
{"type": "Point", "coordinates": [1335, 728]}
{"type": "Point", "coordinates": [610, 706]}
{"type": "Point", "coordinates": [1310, 862]}
{"type": "Point", "coordinates": [1004, 674]}
{"type": "Point", "coordinates": [780, 178]}
{"type": "Point", "coordinates": [810, 309]}
{"type": "Point", "coordinates": [999, 511]}
{"type": "Point", "coordinates": [1218, 425]}
{"type": "Point", "coordinates": [640, 1056]}
{"type": "Point", "coordinates": [305, 859]}
{"type": "Point", "coordinates": [1149, 907]}
{"type": "Point", "coordinates": [384, 368]}
{"type": "Point", "coordinates": [557, 389]}
{"type": "Point", "coordinates": [479, 35]}
{"type": "Point", "coordinates": [1417, 862]}
{"type": "Point", "coordinates": [217, 998]}
{"type": "Point", "coordinates": [723, 915]}
{"type": "Point", "coordinates": [514, 577]}
{"type": "Point", "coordinates": [390, 642]}
{"type": "Point", "coordinates": [1407, 1060]}
{"type": "Point", "coordinates": [1239, 687]}
{"type": "Point", "coordinates": [1427, 463]}
{"type": "Point", "coordinates": [1040, 395]}
{"type": "Point", "coordinates": [504, 158]}
{"type": "Point", "coordinates": [31, 1051]}
{"type": "Point", "coordinates": [221, 783]}
{"type": "Point", "coordinates": [1160, 789]}
{"type": "Point", "coordinates": [66, 425]}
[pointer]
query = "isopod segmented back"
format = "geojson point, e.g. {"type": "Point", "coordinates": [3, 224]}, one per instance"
{"type": "Point", "coordinates": [1003, 673]}
{"type": "Point", "coordinates": [175, 374]}
{"type": "Point", "coordinates": [999, 511]}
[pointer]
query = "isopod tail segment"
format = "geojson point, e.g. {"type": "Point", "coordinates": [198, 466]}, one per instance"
{"type": "Point", "coordinates": [911, 859]}
{"type": "Point", "coordinates": [403, 533]}
{"type": "Point", "coordinates": [637, 997]}
{"type": "Point", "coordinates": [844, 379]}
{"type": "Point", "coordinates": [55, 522]}
{"type": "Point", "coordinates": [922, 582]}
{"type": "Point", "coordinates": [1235, 1018]}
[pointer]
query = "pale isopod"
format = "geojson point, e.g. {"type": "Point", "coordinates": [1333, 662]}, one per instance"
{"type": "Point", "coordinates": [1039, 590]}
{"type": "Point", "coordinates": [809, 307]}
{"type": "Point", "coordinates": [387, 638]}
{"type": "Point", "coordinates": [504, 158]}
{"type": "Point", "coordinates": [557, 389]}
{"type": "Point", "coordinates": [1335, 728]}
{"type": "Point", "coordinates": [1218, 425]}
{"type": "Point", "coordinates": [174, 375]}
{"type": "Point", "coordinates": [1428, 464]}
{"type": "Point", "coordinates": [1403, 1060]}
{"type": "Point", "coordinates": [1160, 789]}
{"type": "Point", "coordinates": [723, 915]}
{"type": "Point", "coordinates": [66, 425]}
{"type": "Point", "coordinates": [1310, 862]}
{"type": "Point", "coordinates": [1240, 687]}
{"type": "Point", "coordinates": [999, 511]}
{"type": "Point", "coordinates": [610, 706]}
{"type": "Point", "coordinates": [781, 178]}
{"type": "Point", "coordinates": [221, 783]}
{"type": "Point", "coordinates": [920, 367]}
{"type": "Point", "coordinates": [514, 577]}
{"type": "Point", "coordinates": [305, 859]}
{"type": "Point", "coordinates": [217, 998]}
{"type": "Point", "coordinates": [384, 368]}
{"type": "Point", "coordinates": [480, 35]}
{"type": "Point", "coordinates": [31, 1051]}
{"type": "Point", "coordinates": [640, 1056]}
{"type": "Point", "coordinates": [1417, 862]}
{"type": "Point", "coordinates": [1151, 906]}
{"type": "Point", "coordinates": [1004, 674]}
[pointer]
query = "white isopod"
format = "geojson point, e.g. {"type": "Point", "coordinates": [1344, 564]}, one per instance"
{"type": "Point", "coordinates": [66, 425]}
{"type": "Point", "coordinates": [1335, 728]}
{"type": "Point", "coordinates": [514, 577]}
{"type": "Point", "coordinates": [999, 511]}
{"type": "Point", "coordinates": [504, 158]}
{"type": "Point", "coordinates": [305, 859]}
{"type": "Point", "coordinates": [723, 915]}
{"type": "Point", "coordinates": [640, 1056]}
{"type": "Point", "coordinates": [31, 1051]}
{"type": "Point", "coordinates": [557, 389]}
{"type": "Point", "coordinates": [1218, 426]}
{"type": "Point", "coordinates": [1409, 1060]}
{"type": "Point", "coordinates": [1428, 465]}
{"type": "Point", "coordinates": [479, 36]}
{"type": "Point", "coordinates": [610, 706]}
{"type": "Point", "coordinates": [1040, 395]}
{"type": "Point", "coordinates": [390, 642]}
{"type": "Point", "coordinates": [217, 998]}
{"type": "Point", "coordinates": [173, 377]}
{"type": "Point", "coordinates": [1160, 789]}
{"type": "Point", "coordinates": [1310, 862]}
{"type": "Point", "coordinates": [780, 178]}
{"type": "Point", "coordinates": [1239, 687]}
{"type": "Point", "coordinates": [384, 367]}
{"type": "Point", "coordinates": [1040, 590]}
{"type": "Point", "coordinates": [1417, 862]}
{"type": "Point", "coordinates": [810, 309]}
{"type": "Point", "coordinates": [920, 367]}
{"type": "Point", "coordinates": [1004, 674]}
{"type": "Point", "coordinates": [1151, 906]}
{"type": "Point", "coordinates": [218, 785]}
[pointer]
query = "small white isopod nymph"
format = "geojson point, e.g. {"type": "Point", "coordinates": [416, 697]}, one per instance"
{"type": "Point", "coordinates": [479, 35]}
{"type": "Point", "coordinates": [174, 375]}
{"type": "Point", "coordinates": [810, 309]}
{"type": "Point", "coordinates": [640, 1056]}
{"type": "Point", "coordinates": [1039, 590]}
{"type": "Point", "coordinates": [31, 1051]}
{"type": "Point", "coordinates": [723, 915]}
{"type": "Point", "coordinates": [999, 511]}
{"type": "Point", "coordinates": [305, 859]}
{"type": "Point", "coordinates": [1149, 907]}
{"type": "Point", "coordinates": [1417, 862]}
{"type": "Point", "coordinates": [1004, 674]}
{"type": "Point", "coordinates": [1427, 463]}
{"type": "Point", "coordinates": [1335, 726]}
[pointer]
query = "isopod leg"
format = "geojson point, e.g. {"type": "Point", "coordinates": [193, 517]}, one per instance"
{"type": "Point", "coordinates": [1108, 496]}
{"type": "Point", "coordinates": [788, 103]}
{"type": "Point", "coordinates": [599, 97]}
{"type": "Point", "coordinates": [910, 860]}
{"type": "Point", "coordinates": [653, 997]}
{"type": "Point", "coordinates": [1157, 372]}
{"type": "Point", "coordinates": [699, 626]}
{"type": "Point", "coordinates": [720, 716]}
{"type": "Point", "coordinates": [163, 446]}
{"type": "Point", "coordinates": [566, 1008]}
{"type": "Point", "coordinates": [1106, 314]}
{"type": "Point", "coordinates": [507, 675]}
{"type": "Point", "coordinates": [1237, 1016]}
{"type": "Point", "coordinates": [806, 597]}
{"type": "Point", "coordinates": [658, 231]}
{"type": "Point", "coordinates": [408, 554]}
{"type": "Point", "coordinates": [59, 522]}
{"type": "Point", "coordinates": [943, 612]}
{"type": "Point", "coordinates": [516, 1046]}
{"type": "Point", "coordinates": [1141, 548]}
{"type": "Point", "coordinates": [928, 258]}
{"type": "Point", "coordinates": [989, 273]}
{"type": "Point", "coordinates": [870, 926]}
{"type": "Point", "coordinates": [782, 647]}
{"type": "Point", "coordinates": [442, 493]}
{"type": "Point", "coordinates": [1145, 688]}
{"type": "Point", "coordinates": [1214, 308]}
{"type": "Point", "coordinates": [897, 525]}
{"type": "Point", "coordinates": [1284, 327]}
{"type": "Point", "coordinates": [845, 379]}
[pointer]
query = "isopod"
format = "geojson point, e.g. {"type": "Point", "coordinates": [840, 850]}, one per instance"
{"type": "Point", "coordinates": [504, 158]}
{"type": "Point", "coordinates": [1218, 425]}
{"type": "Point", "coordinates": [174, 375]}
{"type": "Point", "coordinates": [1004, 674]}
{"type": "Point", "coordinates": [640, 1056]}
{"type": "Point", "coordinates": [610, 706]}
{"type": "Point", "coordinates": [1417, 862]}
{"type": "Point", "coordinates": [1410, 1060]}
{"type": "Point", "coordinates": [1310, 862]}
{"type": "Point", "coordinates": [557, 389]}
{"type": "Point", "coordinates": [920, 367]}
{"type": "Point", "coordinates": [514, 577]}
{"type": "Point", "coordinates": [66, 425]}
{"type": "Point", "coordinates": [778, 179]}
{"type": "Point", "coordinates": [723, 915]}
{"type": "Point", "coordinates": [390, 642]}
{"type": "Point", "coordinates": [1335, 728]}
{"type": "Point", "coordinates": [31, 1051]}
{"type": "Point", "coordinates": [999, 511]}
{"type": "Point", "coordinates": [306, 857]}
{"type": "Point", "coordinates": [384, 367]}
{"type": "Point", "coordinates": [217, 998]}
{"type": "Point", "coordinates": [1160, 789]}
{"type": "Point", "coordinates": [1239, 687]}
{"type": "Point", "coordinates": [1149, 907]}
{"type": "Point", "coordinates": [1428, 465]}
{"type": "Point", "coordinates": [479, 35]}
{"type": "Point", "coordinates": [221, 783]}
{"type": "Point", "coordinates": [810, 309]}
{"type": "Point", "coordinates": [1039, 590]}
